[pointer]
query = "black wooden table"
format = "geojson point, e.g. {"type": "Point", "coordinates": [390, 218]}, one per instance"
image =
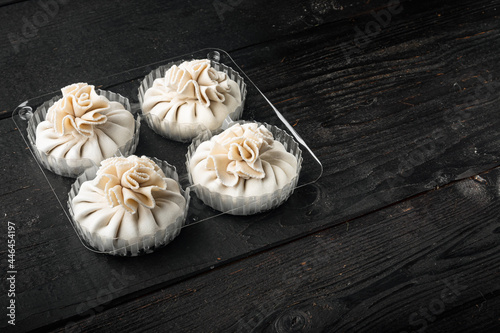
{"type": "Point", "coordinates": [399, 101]}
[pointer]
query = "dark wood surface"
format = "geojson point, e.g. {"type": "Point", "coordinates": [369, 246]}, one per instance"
{"type": "Point", "coordinates": [401, 233]}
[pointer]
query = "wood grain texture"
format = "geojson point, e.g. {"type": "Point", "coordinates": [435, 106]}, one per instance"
{"type": "Point", "coordinates": [42, 50]}
{"type": "Point", "coordinates": [413, 110]}
{"type": "Point", "coordinates": [408, 267]}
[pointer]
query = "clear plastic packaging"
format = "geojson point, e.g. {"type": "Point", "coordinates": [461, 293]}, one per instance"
{"type": "Point", "coordinates": [257, 108]}
{"type": "Point", "coordinates": [185, 132]}
{"type": "Point", "coordinates": [73, 167]}
{"type": "Point", "coordinates": [246, 205]}
{"type": "Point", "coordinates": [140, 245]}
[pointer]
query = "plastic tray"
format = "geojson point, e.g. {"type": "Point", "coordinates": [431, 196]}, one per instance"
{"type": "Point", "coordinates": [257, 108]}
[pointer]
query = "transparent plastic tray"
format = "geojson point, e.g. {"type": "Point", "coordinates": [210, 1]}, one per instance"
{"type": "Point", "coordinates": [256, 108]}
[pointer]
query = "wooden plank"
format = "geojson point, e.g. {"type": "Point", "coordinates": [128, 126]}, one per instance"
{"type": "Point", "coordinates": [403, 115]}
{"type": "Point", "coordinates": [362, 145]}
{"type": "Point", "coordinates": [430, 263]}
{"type": "Point", "coordinates": [52, 262]}
{"type": "Point", "coordinates": [48, 44]}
